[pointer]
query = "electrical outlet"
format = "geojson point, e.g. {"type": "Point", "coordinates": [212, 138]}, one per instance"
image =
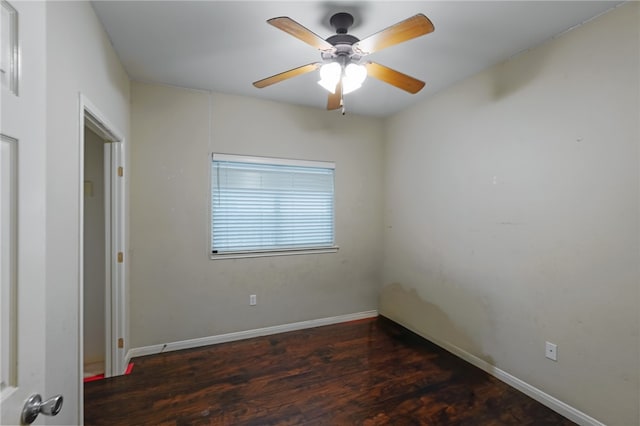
{"type": "Point", "coordinates": [252, 300]}
{"type": "Point", "coordinates": [551, 351]}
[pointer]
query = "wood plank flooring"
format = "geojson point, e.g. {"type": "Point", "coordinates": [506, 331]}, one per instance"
{"type": "Point", "coordinates": [370, 372]}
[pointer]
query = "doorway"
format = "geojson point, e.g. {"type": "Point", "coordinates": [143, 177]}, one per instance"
{"type": "Point", "coordinates": [102, 264]}
{"type": "Point", "coordinates": [96, 280]}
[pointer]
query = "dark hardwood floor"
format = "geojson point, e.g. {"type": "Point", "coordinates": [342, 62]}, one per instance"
{"type": "Point", "coordinates": [370, 372]}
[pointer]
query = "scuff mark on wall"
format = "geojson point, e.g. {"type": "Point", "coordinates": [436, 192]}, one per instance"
{"type": "Point", "coordinates": [407, 307]}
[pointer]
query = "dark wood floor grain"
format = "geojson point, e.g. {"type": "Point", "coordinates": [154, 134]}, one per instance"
{"type": "Point", "coordinates": [370, 372]}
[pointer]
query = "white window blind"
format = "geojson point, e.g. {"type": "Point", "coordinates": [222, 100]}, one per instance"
{"type": "Point", "coordinates": [263, 204]}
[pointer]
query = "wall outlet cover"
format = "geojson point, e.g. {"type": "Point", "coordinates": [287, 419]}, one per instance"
{"type": "Point", "coordinates": [551, 351]}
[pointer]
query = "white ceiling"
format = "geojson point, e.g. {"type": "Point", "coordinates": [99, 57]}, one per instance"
{"type": "Point", "coordinates": [226, 45]}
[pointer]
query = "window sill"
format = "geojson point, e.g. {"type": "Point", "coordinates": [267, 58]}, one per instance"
{"type": "Point", "coordinates": [270, 253]}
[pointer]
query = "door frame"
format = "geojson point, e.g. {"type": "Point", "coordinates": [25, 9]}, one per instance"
{"type": "Point", "coordinates": [115, 295]}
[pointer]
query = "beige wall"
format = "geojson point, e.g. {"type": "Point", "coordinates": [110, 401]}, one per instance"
{"type": "Point", "coordinates": [94, 249]}
{"type": "Point", "coordinates": [512, 216]}
{"type": "Point", "coordinates": [177, 292]}
{"type": "Point", "coordinates": [80, 59]}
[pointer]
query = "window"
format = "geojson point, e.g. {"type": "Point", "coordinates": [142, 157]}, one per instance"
{"type": "Point", "coordinates": [267, 206]}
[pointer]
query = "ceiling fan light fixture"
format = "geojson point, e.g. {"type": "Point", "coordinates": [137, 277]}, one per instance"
{"type": "Point", "coordinates": [330, 75]}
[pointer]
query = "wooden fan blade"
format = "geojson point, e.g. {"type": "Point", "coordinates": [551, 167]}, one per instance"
{"type": "Point", "coordinates": [402, 31]}
{"type": "Point", "coordinates": [285, 75]}
{"type": "Point", "coordinates": [335, 99]}
{"type": "Point", "coordinates": [393, 77]}
{"type": "Point", "coordinates": [290, 26]}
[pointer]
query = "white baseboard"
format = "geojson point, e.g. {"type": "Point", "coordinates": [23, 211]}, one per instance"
{"type": "Point", "coordinates": [555, 404]}
{"type": "Point", "coordinates": [248, 334]}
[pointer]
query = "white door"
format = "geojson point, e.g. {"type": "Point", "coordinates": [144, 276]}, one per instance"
{"type": "Point", "coordinates": [22, 208]}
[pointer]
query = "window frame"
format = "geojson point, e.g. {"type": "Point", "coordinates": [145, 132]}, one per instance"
{"type": "Point", "coordinates": [276, 251]}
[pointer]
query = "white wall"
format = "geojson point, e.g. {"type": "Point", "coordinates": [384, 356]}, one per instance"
{"type": "Point", "coordinates": [80, 59]}
{"type": "Point", "coordinates": [512, 216]}
{"type": "Point", "coordinates": [94, 249]}
{"type": "Point", "coordinates": [177, 291]}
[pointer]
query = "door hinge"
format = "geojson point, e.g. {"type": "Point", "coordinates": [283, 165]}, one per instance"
{"type": "Point", "coordinates": [120, 343]}
{"type": "Point", "coordinates": [120, 257]}
{"type": "Point", "coordinates": [120, 171]}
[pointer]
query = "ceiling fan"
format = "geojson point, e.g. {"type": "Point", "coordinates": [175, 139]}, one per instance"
{"type": "Point", "coordinates": [344, 68]}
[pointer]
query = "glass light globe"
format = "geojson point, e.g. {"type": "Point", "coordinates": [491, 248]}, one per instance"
{"type": "Point", "coordinates": [356, 72]}
{"type": "Point", "coordinates": [330, 75]}
{"type": "Point", "coordinates": [354, 76]}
